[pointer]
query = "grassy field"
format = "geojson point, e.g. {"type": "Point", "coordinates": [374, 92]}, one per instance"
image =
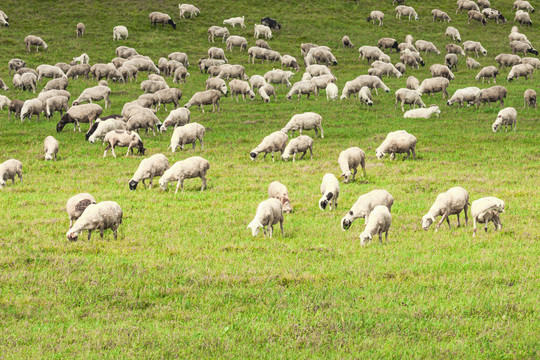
{"type": "Point", "coordinates": [186, 279]}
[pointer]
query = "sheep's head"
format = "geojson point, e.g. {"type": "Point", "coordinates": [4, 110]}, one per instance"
{"type": "Point", "coordinates": [72, 236]}
{"type": "Point", "coordinates": [379, 154]}
{"type": "Point", "coordinates": [346, 176]}
{"type": "Point", "coordinates": [325, 200]}
{"type": "Point", "coordinates": [133, 185]}
{"type": "Point", "coordinates": [172, 23]}
{"type": "Point", "coordinates": [255, 227]}
{"type": "Point", "coordinates": [496, 126]}
{"type": "Point", "coordinates": [163, 184]}
{"type": "Point", "coordinates": [286, 205]}
{"type": "Point", "coordinates": [2, 183]}
{"type": "Point", "coordinates": [427, 220]}
{"type": "Point", "coordinates": [365, 238]}
{"type": "Point", "coordinates": [253, 155]}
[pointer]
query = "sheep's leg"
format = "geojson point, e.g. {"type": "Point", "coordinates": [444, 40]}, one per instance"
{"type": "Point", "coordinates": [112, 150]}
{"type": "Point", "coordinates": [407, 156]}
{"type": "Point", "coordinates": [294, 157]}
{"type": "Point", "coordinates": [386, 236]}
{"type": "Point", "coordinates": [115, 232]}
{"type": "Point", "coordinates": [101, 232]}
{"type": "Point", "coordinates": [474, 227]}
{"type": "Point", "coordinates": [466, 217]}
{"type": "Point", "coordinates": [89, 234]}
{"type": "Point", "coordinates": [203, 178]}
{"type": "Point", "coordinates": [271, 230]}
{"type": "Point", "coordinates": [178, 185]}
{"type": "Point", "coordinates": [310, 153]}
{"type": "Point", "coordinates": [380, 237]}
{"type": "Point", "coordinates": [281, 226]}
{"type": "Point", "coordinates": [458, 223]}
{"type": "Point", "coordinates": [354, 174]}
{"type": "Point", "coordinates": [273, 157]}
{"type": "Point", "coordinates": [441, 221]}
{"type": "Point", "coordinates": [70, 223]}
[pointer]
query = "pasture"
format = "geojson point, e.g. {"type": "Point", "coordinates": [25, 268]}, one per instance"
{"type": "Point", "coordinates": [185, 278]}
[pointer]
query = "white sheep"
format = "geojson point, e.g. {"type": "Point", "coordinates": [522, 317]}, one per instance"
{"type": "Point", "coordinates": [365, 204]}
{"type": "Point", "coordinates": [438, 70]}
{"type": "Point", "coordinates": [332, 92]}
{"type": "Point", "coordinates": [237, 41]}
{"type": "Point", "coordinates": [422, 113]}
{"type": "Point", "coordinates": [235, 21]}
{"type": "Point", "coordinates": [120, 32]}
{"type": "Point", "coordinates": [276, 141]}
{"type": "Point", "coordinates": [241, 87]}
{"type": "Point", "coordinates": [529, 98]}
{"type": "Point", "coordinates": [451, 202]}
{"type": "Point", "coordinates": [376, 15]}
{"type": "Point", "coordinates": [189, 168]}
{"type": "Point", "coordinates": [82, 59]}
{"type": "Point", "coordinates": [155, 165]}
{"type": "Point", "coordinates": [49, 71]}
{"type": "Point", "coordinates": [507, 116]}
{"type": "Point", "coordinates": [474, 46]}
{"type": "Point", "coordinates": [412, 83]}
{"type": "Point", "coordinates": [523, 18]}
{"type": "Point", "coordinates": [289, 61]}
{"type": "Point", "coordinates": [76, 205]}
{"type": "Point", "coordinates": [101, 128]}
{"type": "Point", "coordinates": [95, 93]}
{"type": "Point", "coordinates": [277, 190]}
{"type": "Point", "coordinates": [187, 134]}
{"type": "Point", "coordinates": [269, 212]}
{"type": "Point", "coordinates": [485, 210]}
{"type": "Point", "coordinates": [410, 97]}
{"type": "Point", "coordinates": [35, 40]}
{"type": "Point", "coordinates": [55, 103]}
{"type": "Point", "coordinates": [278, 76]}
{"type": "Point", "coordinates": [507, 60]}
{"type": "Point", "coordinates": [397, 142]}
{"type": "Point", "coordinates": [8, 170]}
{"type": "Point", "coordinates": [488, 72]}
{"type": "Point", "coordinates": [466, 95]}
{"type": "Point", "coordinates": [32, 107]}
{"type": "Point", "coordinates": [101, 216]}
{"type": "Point", "coordinates": [188, 9]}
{"type": "Point", "coordinates": [523, 5]}
{"type": "Point", "coordinates": [123, 138]}
{"type": "Point", "coordinates": [205, 98]}
{"type": "Point", "coordinates": [427, 46]}
{"type": "Point", "coordinates": [453, 33]}
{"type": "Point", "coordinates": [472, 64]}
{"type": "Point", "coordinates": [265, 91]}
{"type": "Point", "coordinates": [524, 70]}
{"type": "Point", "coordinates": [50, 148]}
{"type": "Point", "coordinates": [177, 117]}
{"type": "Point", "coordinates": [330, 191]}
{"type": "Point", "coordinates": [379, 222]}
{"type": "Point", "coordinates": [403, 10]}
{"type": "Point", "coordinates": [143, 120]}
{"type": "Point", "coordinates": [493, 94]}
{"type": "Point", "coordinates": [300, 144]}
{"type": "Point", "coordinates": [434, 85]}
{"type": "Point", "coordinates": [304, 121]}
{"type": "Point", "coordinates": [218, 31]}
{"type": "Point", "coordinates": [349, 159]}
{"type": "Point", "coordinates": [302, 88]}
{"type": "Point", "coordinates": [262, 30]}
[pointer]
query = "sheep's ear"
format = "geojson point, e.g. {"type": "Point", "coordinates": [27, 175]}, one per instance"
{"type": "Point", "coordinates": [342, 175]}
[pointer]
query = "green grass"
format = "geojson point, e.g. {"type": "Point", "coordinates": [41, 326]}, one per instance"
{"type": "Point", "coordinates": [185, 279]}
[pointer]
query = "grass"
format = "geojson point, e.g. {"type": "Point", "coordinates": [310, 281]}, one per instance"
{"type": "Point", "coordinates": [185, 278]}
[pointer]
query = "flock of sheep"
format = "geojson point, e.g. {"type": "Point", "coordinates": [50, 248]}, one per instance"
{"type": "Point", "coordinates": [122, 130]}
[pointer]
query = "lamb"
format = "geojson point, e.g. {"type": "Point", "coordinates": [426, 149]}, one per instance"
{"type": "Point", "coordinates": [454, 49]}
{"type": "Point", "coordinates": [102, 216]}
{"type": "Point", "coordinates": [474, 46]}
{"type": "Point", "coordinates": [238, 41]}
{"type": "Point", "coordinates": [365, 205]}
{"type": "Point", "coordinates": [400, 67]}
{"type": "Point", "coordinates": [518, 46]}
{"type": "Point", "coordinates": [278, 76]}
{"type": "Point", "coordinates": [232, 71]}
{"type": "Point", "coordinates": [525, 70]}
{"type": "Point", "coordinates": [155, 165]}
{"type": "Point", "coordinates": [205, 98]}
{"type": "Point", "coordinates": [189, 168]}
{"type": "Point", "coordinates": [86, 113]}
{"type": "Point", "coordinates": [387, 43]}
{"type": "Point", "coordinates": [426, 46]}
{"type": "Point", "coordinates": [330, 191]}
{"type": "Point", "coordinates": [269, 213]}
{"type": "Point", "coordinates": [466, 95]}
{"type": "Point", "coordinates": [277, 190]}
{"type": "Point", "coordinates": [439, 14]}
{"type": "Point", "coordinates": [144, 120]}
{"type": "Point", "coordinates": [397, 142]}
{"type": "Point", "coordinates": [78, 70]}
{"type": "Point", "coordinates": [467, 5]}
{"type": "Point", "coordinates": [412, 83]}
{"type": "Point", "coordinates": [256, 81]}
{"type": "Point", "coordinates": [262, 30]}
{"type": "Point", "coordinates": [434, 85]}
{"type": "Point", "coordinates": [438, 70]}
{"type": "Point", "coordinates": [379, 222]}
{"type": "Point", "coordinates": [16, 64]}
{"type": "Point", "coordinates": [350, 159]}
{"type": "Point", "coordinates": [304, 121]}
{"type": "Point", "coordinates": [523, 18]}
{"type": "Point", "coordinates": [266, 91]}
{"type": "Point", "coordinates": [507, 116]}
{"type": "Point", "coordinates": [56, 103]}
{"type": "Point", "coordinates": [453, 33]}
{"type": "Point", "coordinates": [488, 72]}
{"type": "Point", "coordinates": [76, 205]}
{"type": "Point", "coordinates": [123, 138]}
{"type": "Point", "coordinates": [303, 88]}
{"type": "Point", "coordinates": [364, 95]}
{"type": "Point", "coordinates": [485, 210]}
{"type": "Point", "coordinates": [82, 59]}
{"type": "Point", "coordinates": [477, 16]}
{"type": "Point", "coordinates": [32, 107]}
{"type": "Point", "coordinates": [451, 202]}
{"type": "Point", "coordinates": [49, 71]}
{"type": "Point", "coordinates": [101, 128]}
{"type": "Point", "coordinates": [332, 91]}
{"type": "Point", "coordinates": [120, 32]}
{"type": "Point", "coordinates": [534, 62]}
{"type": "Point", "coordinates": [411, 97]}
{"type": "Point", "coordinates": [241, 87]}
{"type": "Point", "coordinates": [302, 143]}
{"type": "Point", "coordinates": [507, 60]}
{"type": "Point", "coordinates": [157, 17]}
{"type": "Point", "coordinates": [422, 113]}
{"type": "Point", "coordinates": [376, 16]}
{"type": "Point", "coordinates": [403, 10]}
{"type": "Point", "coordinates": [50, 148]}
{"type": "Point", "coordinates": [262, 44]}
{"type": "Point", "coordinates": [386, 68]}
{"type": "Point", "coordinates": [529, 98]}
{"type": "Point", "coordinates": [471, 63]}
{"type": "Point", "coordinates": [451, 60]}
{"type": "Point", "coordinates": [80, 29]}
{"type": "Point", "coordinates": [235, 21]}
{"type": "Point", "coordinates": [188, 9]}
{"type": "Point", "coordinates": [289, 61]}
{"type": "Point", "coordinates": [347, 42]}
{"type": "Point", "coordinates": [15, 107]}
{"type": "Point", "coordinates": [8, 170]}
{"type": "Point", "coordinates": [187, 134]}
{"type": "Point", "coordinates": [276, 141]}
{"type": "Point", "coordinates": [35, 40]}
{"type": "Point", "coordinates": [522, 5]}
{"type": "Point", "coordinates": [95, 93]}
{"type": "Point", "coordinates": [218, 31]}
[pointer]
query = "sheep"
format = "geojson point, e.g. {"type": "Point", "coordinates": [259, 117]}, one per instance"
{"type": "Point", "coordinates": [120, 32]}
{"type": "Point", "coordinates": [507, 116]}
{"type": "Point", "coordinates": [118, 62]}
{"type": "Point", "coordinates": [218, 31]}
{"type": "Point", "coordinates": [76, 205]}
{"type": "Point", "coordinates": [387, 43]}
{"type": "Point", "coordinates": [305, 47]}
{"type": "Point", "coordinates": [400, 67]}
{"type": "Point", "coordinates": [235, 21]}
{"type": "Point", "coordinates": [407, 46]}
{"type": "Point", "coordinates": [386, 68]}
{"type": "Point", "coordinates": [518, 46]}
{"type": "Point", "coordinates": [238, 41]}
{"type": "Point", "coordinates": [488, 72]}
{"type": "Point", "coordinates": [364, 206]}
{"type": "Point", "coordinates": [189, 168]}
{"type": "Point", "coordinates": [289, 61]}
{"type": "Point", "coordinates": [426, 46]}
{"type": "Point", "coordinates": [143, 120]}
{"type": "Point", "coordinates": [277, 190]}
{"type": "Point", "coordinates": [376, 15]}
{"type": "Point", "coordinates": [56, 84]}
{"type": "Point", "coordinates": [15, 107]}
{"type": "Point", "coordinates": [301, 88]}
{"type": "Point", "coordinates": [44, 95]}
{"type": "Point", "coordinates": [403, 10]}
{"type": "Point", "coordinates": [483, 4]}
{"type": "Point", "coordinates": [304, 121]}
{"type": "Point", "coordinates": [157, 17]}
{"type": "Point", "coordinates": [375, 72]}
{"type": "Point", "coordinates": [55, 103]}
{"type": "Point", "coordinates": [485, 210]}
{"type": "Point", "coordinates": [451, 202]}
{"type": "Point", "coordinates": [188, 9]}
{"type": "Point", "coordinates": [347, 42]}
{"type": "Point", "coordinates": [516, 36]}
{"type": "Point", "coordinates": [266, 91]}
{"type": "Point", "coordinates": [95, 93]}
{"type": "Point", "coordinates": [100, 71]}
{"type": "Point", "coordinates": [525, 70]}
{"type": "Point", "coordinates": [278, 76]}
{"type": "Point", "coordinates": [180, 57]}
{"type": "Point", "coordinates": [412, 83]}
{"type": "Point", "coordinates": [82, 59]}
{"type": "Point", "coordinates": [493, 94]}
{"type": "Point", "coordinates": [453, 33]}
{"type": "Point", "coordinates": [493, 14]}
{"type": "Point", "coordinates": [451, 60]}
{"type": "Point", "coordinates": [422, 113]}
{"type": "Point", "coordinates": [354, 86]}
{"type": "Point", "coordinates": [3, 85]}
{"type": "Point", "coordinates": [128, 72]}
{"type": "Point", "coordinates": [8, 170]}
{"type": "Point", "coordinates": [477, 16]}
{"type": "Point", "coordinates": [439, 14]}
{"type": "Point", "coordinates": [86, 113]}
{"type": "Point", "coordinates": [471, 63]}
{"type": "Point", "coordinates": [78, 70]}
{"type": "Point", "coordinates": [50, 148]}
{"type": "Point", "coordinates": [28, 81]}
{"type": "Point", "coordinates": [306, 76]}
{"type": "Point", "coordinates": [332, 91]}
{"type": "Point", "coordinates": [350, 159]}
{"type": "Point", "coordinates": [318, 70]}
{"type": "Point", "coordinates": [205, 98]}
{"type": "Point", "coordinates": [143, 65]}
{"type": "Point", "coordinates": [180, 75]}
{"type": "Point", "coordinates": [330, 191]}
{"type": "Point", "coordinates": [125, 52]}
{"type": "Point", "coordinates": [523, 18]}
{"type": "Point", "coordinates": [379, 222]}
{"type": "Point", "coordinates": [155, 165]}
{"type": "Point", "coordinates": [100, 128]}
{"type": "Point", "coordinates": [123, 138]}
{"type": "Point", "coordinates": [320, 55]}
{"type": "Point", "coordinates": [271, 55]}
{"type": "Point", "coordinates": [80, 29]}
{"type": "Point", "coordinates": [474, 46]}
{"type": "Point", "coordinates": [406, 96]}
{"type": "Point", "coordinates": [25, 70]}
{"type": "Point", "coordinates": [397, 142]}
{"type": "Point", "coordinates": [534, 62]}
{"type": "Point", "coordinates": [255, 52]}
{"type": "Point", "coordinates": [241, 87]}
{"type": "Point", "coordinates": [4, 19]}
{"type": "Point", "coordinates": [507, 60]}
{"type": "Point", "coordinates": [466, 95]}
{"type": "Point", "coordinates": [187, 134]}
{"type": "Point", "coordinates": [522, 5]}
{"type": "Point", "coordinates": [152, 86]}
{"type": "Point", "coordinates": [434, 85]}
{"type": "Point", "coordinates": [467, 5]}
{"type": "Point", "coordinates": [276, 141]}
{"type": "Point", "coordinates": [454, 49]}
{"type": "Point", "coordinates": [167, 96]}
{"type": "Point", "coordinates": [438, 70]}
{"type": "Point", "coordinates": [16, 64]}
{"type": "Point", "coordinates": [4, 101]}
{"type": "Point", "coordinates": [529, 98]}
{"type": "Point", "coordinates": [262, 44]}
{"type": "Point", "coordinates": [364, 95]}
{"type": "Point", "coordinates": [35, 40]}
{"type": "Point", "coordinates": [102, 216]}
{"type": "Point", "coordinates": [302, 143]}
{"type": "Point", "coordinates": [49, 71]}
{"type": "Point", "coordinates": [410, 59]}
{"type": "Point", "coordinates": [262, 30]}
{"type": "Point", "coordinates": [269, 213]}
{"type": "Point", "coordinates": [32, 107]}
{"type": "Point", "coordinates": [256, 81]}
{"type": "Point", "coordinates": [216, 84]}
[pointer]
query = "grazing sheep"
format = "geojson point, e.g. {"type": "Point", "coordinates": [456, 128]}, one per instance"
{"type": "Point", "coordinates": [56, 84]}
{"type": "Point", "coordinates": [453, 33]}
{"type": "Point", "coordinates": [403, 10]}
{"type": "Point", "coordinates": [278, 76]}
{"type": "Point", "coordinates": [318, 70]}
{"type": "Point", "coordinates": [466, 5]}
{"type": "Point", "coordinates": [4, 19]}
{"type": "Point", "coordinates": [438, 70]}
{"type": "Point", "coordinates": [25, 70]}
{"type": "Point", "coordinates": [484, 4]}
{"type": "Point", "coordinates": [188, 9]}
{"type": "Point", "coordinates": [227, 71]}
{"type": "Point", "coordinates": [82, 59]}
{"type": "Point", "coordinates": [238, 41]}
{"type": "Point", "coordinates": [303, 88]}
{"type": "Point", "coordinates": [235, 21]}
{"type": "Point", "coordinates": [525, 70]}
{"type": "Point", "coordinates": [454, 49]}
{"type": "Point", "coordinates": [350, 159]}
{"type": "Point", "coordinates": [300, 144]}
{"type": "Point", "coordinates": [347, 42]}
{"type": "Point", "coordinates": [485, 210]}
{"type": "Point", "coordinates": [8, 170]}
{"type": "Point", "coordinates": [376, 16]}
{"type": "Point", "coordinates": [529, 98]}
{"type": "Point", "coordinates": [439, 14]}
{"type": "Point", "coordinates": [168, 96]}
{"type": "Point", "coordinates": [177, 117]}
{"type": "Point", "coordinates": [86, 113]}
{"type": "Point", "coordinates": [28, 81]}
{"type": "Point", "coordinates": [149, 168]}
{"type": "Point", "coordinates": [4, 101]}
{"type": "Point", "coordinates": [493, 14]}
{"type": "Point", "coordinates": [109, 72]}
{"type": "Point", "coordinates": [277, 190]}
{"type": "Point", "coordinates": [100, 128]}
{"type": "Point", "coordinates": [365, 204]}
{"type": "Point", "coordinates": [44, 95]}
{"type": "Point", "coordinates": [276, 141]}
{"type": "Point", "coordinates": [320, 55]}
{"type": "Point", "coordinates": [379, 222]}
{"type": "Point", "coordinates": [269, 213]}
{"type": "Point", "coordinates": [16, 64]}
{"type": "Point", "coordinates": [507, 116]}
{"type": "Point", "coordinates": [205, 98]}
{"type": "Point", "coordinates": [262, 44]}
{"type": "Point", "coordinates": [332, 91]}
{"type": "Point", "coordinates": [266, 91]}
{"type": "Point", "coordinates": [15, 107]}
{"type": "Point", "coordinates": [488, 72]}
{"type": "Point", "coordinates": [465, 96]}
{"type": "Point", "coordinates": [452, 202]}
{"type": "Point", "coordinates": [3, 85]}
{"type": "Point", "coordinates": [474, 46]}
{"type": "Point", "coordinates": [451, 60]}
{"type": "Point", "coordinates": [472, 64]}
{"type": "Point", "coordinates": [493, 94]}
{"type": "Point", "coordinates": [372, 53]}
{"type": "Point", "coordinates": [189, 168]}
{"type": "Point", "coordinates": [375, 72]}
{"type": "Point", "coordinates": [434, 85]}
{"type": "Point", "coordinates": [518, 46]}
{"type": "Point", "coordinates": [76, 205]}
{"type": "Point", "coordinates": [507, 60]}
{"type": "Point", "coordinates": [157, 17]}
{"type": "Point", "coordinates": [397, 142]}
{"type": "Point", "coordinates": [406, 96]}
{"type": "Point", "coordinates": [120, 32]}
{"type": "Point", "coordinates": [477, 16]}
{"type": "Point", "coordinates": [255, 52]}
{"type": "Point", "coordinates": [181, 57]}
{"type": "Point", "coordinates": [411, 59]}
{"type": "Point", "coordinates": [422, 113]}
{"type": "Point", "coordinates": [49, 71]}
{"type": "Point", "coordinates": [426, 46]}
{"type": "Point", "coordinates": [143, 120]}
{"type": "Point", "coordinates": [102, 216]}
{"type": "Point", "coordinates": [50, 148]}
{"type": "Point", "coordinates": [205, 64]}
{"type": "Point", "coordinates": [330, 191]}
{"type": "Point", "coordinates": [55, 103]}
{"type": "Point", "coordinates": [78, 70]}
{"type": "Point", "coordinates": [523, 18]}
{"type": "Point", "coordinates": [95, 93]}
{"type": "Point", "coordinates": [364, 95]}
{"type": "Point", "coordinates": [80, 29]}
{"type": "Point", "coordinates": [256, 81]}
{"type": "Point", "coordinates": [271, 23]}
{"type": "Point", "coordinates": [35, 40]}
{"type": "Point", "coordinates": [400, 67]}
{"type": "Point", "coordinates": [386, 68]}
{"type": "Point", "coordinates": [412, 83]}
{"type": "Point", "coordinates": [32, 107]}
{"type": "Point", "coordinates": [387, 43]}
{"type": "Point", "coordinates": [289, 61]}
{"type": "Point", "coordinates": [522, 5]}
{"type": "Point", "coordinates": [218, 31]}
{"type": "Point", "coordinates": [354, 86]}
{"type": "Point", "coordinates": [216, 84]}
{"type": "Point", "coordinates": [304, 121]}
{"type": "Point", "coordinates": [534, 62]}
{"type": "Point", "coordinates": [180, 75]}
{"type": "Point", "coordinates": [516, 36]}
{"type": "Point", "coordinates": [125, 52]}
{"type": "Point", "coordinates": [241, 87]}
{"type": "Point", "coordinates": [262, 30]}
{"type": "Point", "coordinates": [123, 138]}
{"type": "Point", "coordinates": [187, 134]}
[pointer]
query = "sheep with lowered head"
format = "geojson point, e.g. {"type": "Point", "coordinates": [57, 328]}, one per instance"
{"type": "Point", "coordinates": [493, 94]}
{"type": "Point", "coordinates": [472, 64]}
{"type": "Point", "coordinates": [488, 72]}
{"type": "Point", "coordinates": [149, 168]}
{"type": "Point", "coordinates": [379, 222]}
{"type": "Point", "coordinates": [205, 98]}
{"type": "Point", "coordinates": [187, 134]}
{"type": "Point", "coordinates": [485, 210]}
{"type": "Point", "coordinates": [439, 14]}
{"type": "Point", "coordinates": [31, 40]}
{"type": "Point", "coordinates": [397, 142]}
{"type": "Point", "coordinates": [424, 113]}
{"type": "Point", "coordinates": [403, 10]}
{"type": "Point", "coordinates": [453, 33]}
{"type": "Point", "coordinates": [50, 146]}
{"type": "Point", "coordinates": [524, 70]}
{"type": "Point", "coordinates": [434, 85]}
{"type": "Point", "coordinates": [277, 190]}
{"type": "Point", "coordinates": [438, 70]}
{"type": "Point", "coordinates": [451, 60]}
{"type": "Point", "coordinates": [8, 170]}
{"type": "Point", "coordinates": [303, 87]}
{"type": "Point", "coordinates": [365, 204]}
{"type": "Point", "coordinates": [529, 98]}
{"type": "Point", "coordinates": [102, 127]}
{"type": "Point", "coordinates": [465, 96]}
{"type": "Point", "coordinates": [349, 159]}
{"type": "Point", "coordinates": [426, 46]}
{"type": "Point", "coordinates": [507, 116]}
{"type": "Point", "coordinates": [330, 191]}
{"type": "Point", "coordinates": [523, 18]}
{"type": "Point", "coordinates": [76, 205]}
{"type": "Point", "coordinates": [451, 202]}
{"type": "Point", "coordinates": [101, 216]}
{"type": "Point", "coordinates": [120, 32]}
{"type": "Point", "coordinates": [157, 17]}
{"type": "Point", "coordinates": [300, 144]}
{"type": "Point", "coordinates": [376, 15]}
{"type": "Point", "coordinates": [56, 104]}
{"type": "Point", "coordinates": [474, 46]}
{"type": "Point", "coordinates": [123, 138]}
{"type": "Point", "coordinates": [304, 121]}
{"type": "Point", "coordinates": [411, 97]}
{"type": "Point", "coordinates": [189, 168]}
{"type": "Point", "coordinates": [177, 117]}
{"type": "Point", "coordinates": [276, 141]}
{"type": "Point", "coordinates": [332, 91]}
{"type": "Point", "coordinates": [218, 31]}
{"type": "Point", "coordinates": [241, 87]}
{"type": "Point", "coordinates": [269, 213]}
